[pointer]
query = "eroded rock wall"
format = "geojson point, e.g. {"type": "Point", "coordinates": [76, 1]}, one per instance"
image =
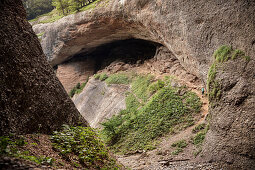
{"type": "Point", "coordinates": [32, 100]}
{"type": "Point", "coordinates": [98, 101]}
{"type": "Point", "coordinates": [231, 137]}
{"type": "Point", "coordinates": [75, 71]}
{"type": "Point", "coordinates": [191, 30]}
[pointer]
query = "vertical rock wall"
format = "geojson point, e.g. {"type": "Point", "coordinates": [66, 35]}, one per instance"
{"type": "Point", "coordinates": [32, 99]}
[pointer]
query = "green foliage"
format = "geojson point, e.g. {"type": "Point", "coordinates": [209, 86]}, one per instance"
{"type": "Point", "coordinates": [90, 6]}
{"type": "Point", "coordinates": [177, 151]}
{"type": "Point", "coordinates": [40, 34]}
{"type": "Point", "coordinates": [180, 144]}
{"type": "Point", "coordinates": [154, 87]}
{"type": "Point", "coordinates": [200, 136]}
{"type": "Point", "coordinates": [103, 77]}
{"type": "Point", "coordinates": [83, 142]}
{"type": "Point", "coordinates": [140, 86]}
{"type": "Point", "coordinates": [197, 151]}
{"type": "Point", "coordinates": [35, 8]}
{"type": "Point", "coordinates": [10, 146]}
{"type": "Point", "coordinates": [78, 88]}
{"type": "Point", "coordinates": [132, 103]}
{"type": "Point", "coordinates": [199, 127]}
{"type": "Point", "coordinates": [97, 76]}
{"type": "Point", "coordinates": [72, 6]}
{"type": "Point", "coordinates": [141, 124]}
{"type": "Point", "coordinates": [118, 78]}
{"type": "Point", "coordinates": [192, 101]}
{"type": "Point", "coordinates": [223, 54]}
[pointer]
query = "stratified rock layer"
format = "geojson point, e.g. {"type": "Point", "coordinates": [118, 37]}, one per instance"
{"type": "Point", "coordinates": [32, 98]}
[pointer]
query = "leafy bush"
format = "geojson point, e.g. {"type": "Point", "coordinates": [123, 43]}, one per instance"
{"type": "Point", "coordinates": [199, 127]}
{"type": "Point", "coordinates": [180, 144]}
{"type": "Point", "coordinates": [83, 142]}
{"type": "Point", "coordinates": [118, 78]}
{"type": "Point", "coordinates": [132, 103]}
{"type": "Point", "coordinates": [200, 136]}
{"type": "Point", "coordinates": [222, 54]}
{"type": "Point", "coordinates": [97, 76]}
{"type": "Point", "coordinates": [177, 151]}
{"type": "Point", "coordinates": [154, 87]}
{"type": "Point", "coordinates": [192, 101]}
{"type": "Point", "coordinates": [140, 86]}
{"type": "Point", "coordinates": [78, 88]}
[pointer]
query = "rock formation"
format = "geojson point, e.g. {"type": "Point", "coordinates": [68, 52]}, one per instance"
{"type": "Point", "coordinates": [231, 137]}
{"type": "Point", "coordinates": [99, 101]}
{"type": "Point", "coordinates": [32, 98]}
{"type": "Point", "coordinates": [191, 31]}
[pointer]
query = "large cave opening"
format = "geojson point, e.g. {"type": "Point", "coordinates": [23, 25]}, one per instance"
{"type": "Point", "coordinates": [129, 51]}
{"type": "Point", "coordinates": [84, 64]}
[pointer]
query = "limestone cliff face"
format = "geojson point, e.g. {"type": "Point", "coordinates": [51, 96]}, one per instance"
{"type": "Point", "coordinates": [32, 100]}
{"type": "Point", "coordinates": [98, 101]}
{"type": "Point", "coordinates": [191, 30]}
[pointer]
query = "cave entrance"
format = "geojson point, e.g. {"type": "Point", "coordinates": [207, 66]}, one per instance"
{"type": "Point", "coordinates": [85, 64]}
{"type": "Point", "coordinates": [130, 51]}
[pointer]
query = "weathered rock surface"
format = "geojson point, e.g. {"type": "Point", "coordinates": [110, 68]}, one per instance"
{"type": "Point", "coordinates": [32, 99]}
{"type": "Point", "coordinates": [99, 101]}
{"type": "Point", "coordinates": [190, 30]}
{"type": "Point", "coordinates": [231, 137]}
{"type": "Point", "coordinates": [75, 71]}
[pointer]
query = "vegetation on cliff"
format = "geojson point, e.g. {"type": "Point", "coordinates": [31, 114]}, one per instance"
{"type": "Point", "coordinates": [221, 55]}
{"type": "Point", "coordinates": [153, 108]}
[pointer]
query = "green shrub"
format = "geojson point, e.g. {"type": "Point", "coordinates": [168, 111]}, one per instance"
{"type": "Point", "coordinates": [154, 87]}
{"type": "Point", "coordinates": [10, 146]}
{"type": "Point", "coordinates": [223, 53]}
{"type": "Point", "coordinates": [118, 78]}
{"type": "Point", "coordinates": [199, 127]}
{"type": "Point", "coordinates": [83, 142]}
{"type": "Point", "coordinates": [200, 136]}
{"type": "Point", "coordinates": [97, 76]}
{"type": "Point", "coordinates": [140, 86]}
{"type": "Point", "coordinates": [177, 151]}
{"type": "Point", "coordinates": [132, 103]}
{"type": "Point", "coordinates": [192, 102]}
{"type": "Point", "coordinates": [78, 88]}
{"type": "Point", "coordinates": [180, 144]}
{"type": "Point", "coordinates": [103, 77]}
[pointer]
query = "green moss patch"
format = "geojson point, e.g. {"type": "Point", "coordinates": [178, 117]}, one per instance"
{"type": "Point", "coordinates": [118, 78]}
{"type": "Point", "coordinates": [221, 55]}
